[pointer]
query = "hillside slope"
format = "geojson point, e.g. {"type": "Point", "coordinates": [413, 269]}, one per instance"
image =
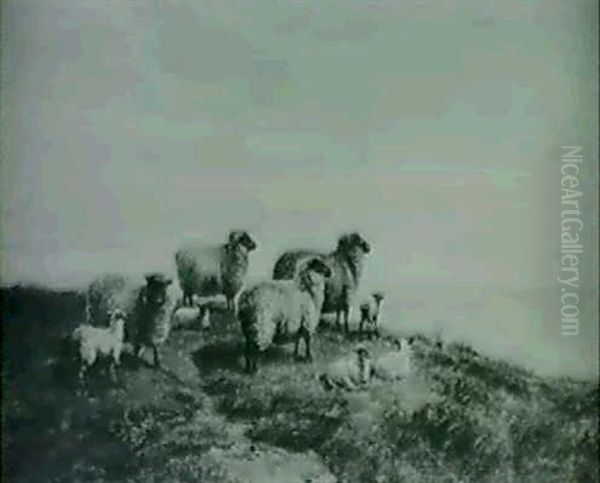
{"type": "Point", "coordinates": [462, 417]}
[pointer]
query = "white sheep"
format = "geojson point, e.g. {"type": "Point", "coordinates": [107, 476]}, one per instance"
{"type": "Point", "coordinates": [95, 342]}
{"type": "Point", "coordinates": [370, 315]}
{"type": "Point", "coordinates": [275, 310]}
{"type": "Point", "coordinates": [396, 364]}
{"type": "Point", "coordinates": [148, 308]}
{"type": "Point", "coordinates": [346, 263]}
{"type": "Point", "coordinates": [188, 317]}
{"type": "Point", "coordinates": [349, 372]}
{"type": "Point", "coordinates": [209, 270]}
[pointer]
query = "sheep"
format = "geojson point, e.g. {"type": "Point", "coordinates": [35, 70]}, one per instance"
{"type": "Point", "coordinates": [95, 342]}
{"type": "Point", "coordinates": [148, 308]}
{"type": "Point", "coordinates": [210, 270]}
{"type": "Point", "coordinates": [272, 311]}
{"type": "Point", "coordinates": [185, 317]}
{"type": "Point", "coordinates": [346, 263]}
{"type": "Point", "coordinates": [153, 312]}
{"type": "Point", "coordinates": [370, 315]}
{"type": "Point", "coordinates": [396, 364]}
{"type": "Point", "coordinates": [348, 372]}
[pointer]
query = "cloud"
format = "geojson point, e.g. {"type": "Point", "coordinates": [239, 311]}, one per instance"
{"type": "Point", "coordinates": [187, 46]}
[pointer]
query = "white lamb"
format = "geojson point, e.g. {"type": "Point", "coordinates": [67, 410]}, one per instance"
{"type": "Point", "coordinates": [189, 317]}
{"type": "Point", "coordinates": [96, 342]}
{"type": "Point", "coordinates": [349, 372]}
{"type": "Point", "coordinates": [370, 315]}
{"type": "Point", "coordinates": [395, 364]}
{"type": "Point", "coordinates": [275, 310]}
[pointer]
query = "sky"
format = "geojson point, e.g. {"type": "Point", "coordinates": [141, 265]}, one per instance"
{"type": "Point", "coordinates": [434, 128]}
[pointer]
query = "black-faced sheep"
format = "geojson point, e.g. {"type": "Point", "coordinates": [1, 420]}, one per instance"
{"type": "Point", "coordinates": [274, 310]}
{"type": "Point", "coordinates": [346, 263]}
{"type": "Point", "coordinates": [370, 315]}
{"type": "Point", "coordinates": [95, 342]}
{"type": "Point", "coordinates": [153, 312]}
{"type": "Point", "coordinates": [209, 270]}
{"type": "Point", "coordinates": [148, 307]}
{"type": "Point", "coordinates": [349, 372]}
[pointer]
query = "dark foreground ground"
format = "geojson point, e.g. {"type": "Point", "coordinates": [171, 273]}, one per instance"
{"type": "Point", "coordinates": [462, 417]}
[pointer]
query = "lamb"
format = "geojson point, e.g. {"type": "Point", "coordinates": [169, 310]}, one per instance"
{"type": "Point", "coordinates": [186, 317]}
{"type": "Point", "coordinates": [370, 313]}
{"type": "Point", "coordinates": [148, 308]}
{"type": "Point", "coordinates": [95, 342]}
{"type": "Point", "coordinates": [349, 372]}
{"type": "Point", "coordinates": [272, 311]}
{"type": "Point", "coordinates": [397, 363]}
{"type": "Point", "coordinates": [346, 263]}
{"type": "Point", "coordinates": [210, 270]}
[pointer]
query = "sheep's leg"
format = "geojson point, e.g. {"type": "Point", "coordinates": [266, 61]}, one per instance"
{"type": "Point", "coordinates": [155, 355]}
{"type": "Point", "coordinates": [337, 319]}
{"type": "Point", "coordinates": [250, 354]}
{"type": "Point", "coordinates": [82, 379]}
{"type": "Point", "coordinates": [360, 327]}
{"type": "Point", "coordinates": [296, 344]}
{"type": "Point", "coordinates": [306, 336]}
{"type": "Point", "coordinates": [346, 317]}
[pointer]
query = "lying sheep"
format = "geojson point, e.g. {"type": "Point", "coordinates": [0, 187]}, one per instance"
{"type": "Point", "coordinates": [346, 263]}
{"type": "Point", "coordinates": [274, 310]}
{"type": "Point", "coordinates": [349, 372]}
{"type": "Point", "coordinates": [370, 313]}
{"type": "Point", "coordinates": [95, 342]}
{"type": "Point", "coordinates": [396, 364]}
{"type": "Point", "coordinates": [148, 308]}
{"type": "Point", "coordinates": [209, 270]}
{"type": "Point", "coordinates": [188, 317]}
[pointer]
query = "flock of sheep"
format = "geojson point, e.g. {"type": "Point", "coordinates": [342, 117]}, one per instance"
{"type": "Point", "coordinates": [305, 285]}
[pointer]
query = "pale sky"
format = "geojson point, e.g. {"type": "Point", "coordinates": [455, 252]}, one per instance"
{"type": "Point", "coordinates": [433, 127]}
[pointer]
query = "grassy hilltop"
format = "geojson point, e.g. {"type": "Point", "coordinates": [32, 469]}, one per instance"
{"type": "Point", "coordinates": [462, 417]}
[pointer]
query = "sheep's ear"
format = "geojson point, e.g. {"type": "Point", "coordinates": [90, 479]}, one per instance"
{"type": "Point", "coordinates": [234, 237]}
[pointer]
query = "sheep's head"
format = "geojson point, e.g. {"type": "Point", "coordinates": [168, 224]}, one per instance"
{"type": "Point", "coordinates": [319, 267]}
{"type": "Point", "coordinates": [403, 344]}
{"type": "Point", "coordinates": [363, 353]}
{"type": "Point", "coordinates": [156, 288]}
{"type": "Point", "coordinates": [117, 318]}
{"type": "Point", "coordinates": [352, 243]}
{"type": "Point", "coordinates": [312, 274]}
{"type": "Point", "coordinates": [240, 238]}
{"type": "Point", "coordinates": [378, 297]}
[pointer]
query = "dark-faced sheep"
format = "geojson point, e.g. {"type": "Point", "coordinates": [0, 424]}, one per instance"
{"type": "Point", "coordinates": [275, 310]}
{"type": "Point", "coordinates": [210, 270]}
{"type": "Point", "coordinates": [346, 263]}
{"type": "Point", "coordinates": [148, 307]}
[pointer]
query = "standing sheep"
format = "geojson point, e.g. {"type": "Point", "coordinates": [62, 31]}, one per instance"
{"type": "Point", "coordinates": [211, 270]}
{"type": "Point", "coordinates": [348, 372]}
{"type": "Point", "coordinates": [95, 342]}
{"type": "Point", "coordinates": [274, 310]}
{"type": "Point", "coordinates": [153, 312]}
{"type": "Point", "coordinates": [370, 313]}
{"type": "Point", "coordinates": [148, 307]}
{"type": "Point", "coordinates": [346, 263]}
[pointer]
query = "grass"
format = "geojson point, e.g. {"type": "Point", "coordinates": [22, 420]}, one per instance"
{"type": "Point", "coordinates": [462, 417]}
